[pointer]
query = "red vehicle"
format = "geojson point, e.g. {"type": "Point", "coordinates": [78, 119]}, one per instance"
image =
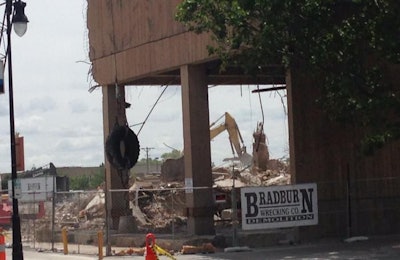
{"type": "Point", "coordinates": [5, 211]}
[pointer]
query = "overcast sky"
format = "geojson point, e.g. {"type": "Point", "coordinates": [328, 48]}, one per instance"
{"type": "Point", "coordinates": [62, 122]}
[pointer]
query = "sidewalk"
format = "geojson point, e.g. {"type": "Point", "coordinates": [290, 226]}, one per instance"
{"type": "Point", "coordinates": [385, 247]}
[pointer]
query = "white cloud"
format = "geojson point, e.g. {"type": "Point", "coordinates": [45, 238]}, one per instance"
{"type": "Point", "coordinates": [164, 125]}
{"type": "Point", "coordinates": [4, 112]}
{"type": "Point", "coordinates": [78, 106]}
{"type": "Point", "coordinates": [31, 125]}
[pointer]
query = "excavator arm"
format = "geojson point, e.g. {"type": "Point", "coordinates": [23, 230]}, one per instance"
{"type": "Point", "coordinates": [173, 169]}
{"type": "Point", "coordinates": [217, 130]}
{"type": "Point", "coordinates": [235, 138]}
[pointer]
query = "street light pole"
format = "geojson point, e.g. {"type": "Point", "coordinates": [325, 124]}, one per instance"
{"type": "Point", "coordinates": [17, 253]}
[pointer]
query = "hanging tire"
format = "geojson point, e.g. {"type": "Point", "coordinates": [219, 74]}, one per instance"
{"type": "Point", "coordinates": [122, 148]}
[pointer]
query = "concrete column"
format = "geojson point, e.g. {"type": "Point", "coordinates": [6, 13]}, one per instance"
{"type": "Point", "coordinates": [197, 158]}
{"type": "Point", "coordinates": [291, 111]}
{"type": "Point", "coordinates": [113, 113]}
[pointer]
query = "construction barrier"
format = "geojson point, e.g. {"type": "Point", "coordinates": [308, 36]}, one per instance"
{"type": "Point", "coordinates": [2, 245]}
{"type": "Point", "coordinates": [100, 244]}
{"type": "Point", "coordinates": [64, 236]}
{"type": "Point", "coordinates": [152, 249]}
{"type": "Point", "coordinates": [150, 252]}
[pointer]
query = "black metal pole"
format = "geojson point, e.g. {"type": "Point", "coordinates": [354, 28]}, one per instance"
{"type": "Point", "coordinates": [349, 224]}
{"type": "Point", "coordinates": [17, 253]}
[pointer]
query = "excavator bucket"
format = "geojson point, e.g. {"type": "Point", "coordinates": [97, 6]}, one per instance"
{"type": "Point", "coordinates": [260, 148]}
{"type": "Point", "coordinates": [246, 159]}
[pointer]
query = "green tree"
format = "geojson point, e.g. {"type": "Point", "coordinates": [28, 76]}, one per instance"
{"type": "Point", "coordinates": [5, 177]}
{"type": "Point", "coordinates": [152, 161]}
{"type": "Point", "coordinates": [97, 179]}
{"type": "Point", "coordinates": [79, 183]}
{"type": "Point", "coordinates": [88, 182]}
{"type": "Point", "coordinates": [174, 154]}
{"type": "Point", "coordinates": [352, 48]}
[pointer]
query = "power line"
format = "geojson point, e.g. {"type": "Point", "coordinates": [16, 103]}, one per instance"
{"type": "Point", "coordinates": [151, 110]}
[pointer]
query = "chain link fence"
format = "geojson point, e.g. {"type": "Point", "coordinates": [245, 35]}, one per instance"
{"type": "Point", "coordinates": [83, 214]}
{"type": "Point", "coordinates": [160, 211]}
{"type": "Point", "coordinates": [42, 221]}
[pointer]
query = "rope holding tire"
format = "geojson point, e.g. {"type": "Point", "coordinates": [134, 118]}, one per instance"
{"type": "Point", "coordinates": [122, 148]}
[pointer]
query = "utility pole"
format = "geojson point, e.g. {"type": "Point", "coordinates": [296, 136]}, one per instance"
{"type": "Point", "coordinates": [147, 149]}
{"type": "Point", "coordinates": [156, 164]}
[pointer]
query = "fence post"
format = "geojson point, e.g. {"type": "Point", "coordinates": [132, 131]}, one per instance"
{"type": "Point", "coordinates": [348, 193]}
{"type": "Point", "coordinates": [108, 214]}
{"type": "Point", "coordinates": [173, 214]}
{"type": "Point", "coordinates": [53, 210]}
{"type": "Point", "coordinates": [137, 197]}
{"type": "Point", "coordinates": [100, 244]}
{"type": "Point", "coordinates": [64, 235]}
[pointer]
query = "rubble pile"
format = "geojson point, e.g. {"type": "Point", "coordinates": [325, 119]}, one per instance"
{"type": "Point", "coordinates": [277, 173]}
{"type": "Point", "coordinates": [160, 206]}
{"type": "Point", "coordinates": [94, 214]}
{"type": "Point", "coordinates": [163, 210]}
{"type": "Point", "coordinates": [83, 211]}
{"type": "Point", "coordinates": [80, 211]}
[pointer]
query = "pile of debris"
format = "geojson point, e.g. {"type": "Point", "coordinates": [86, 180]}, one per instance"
{"type": "Point", "coordinates": [160, 206]}
{"type": "Point", "coordinates": [277, 173]}
{"type": "Point", "coordinates": [157, 206]}
{"type": "Point", "coordinates": [76, 211]}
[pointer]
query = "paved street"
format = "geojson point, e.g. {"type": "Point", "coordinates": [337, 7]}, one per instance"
{"type": "Point", "coordinates": [374, 248]}
{"type": "Point", "coordinates": [33, 255]}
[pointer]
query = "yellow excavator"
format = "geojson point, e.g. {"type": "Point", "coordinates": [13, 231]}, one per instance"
{"type": "Point", "coordinates": [173, 169]}
{"type": "Point", "coordinates": [235, 138]}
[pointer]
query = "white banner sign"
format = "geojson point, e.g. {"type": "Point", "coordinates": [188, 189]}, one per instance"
{"type": "Point", "coordinates": [279, 206]}
{"type": "Point", "coordinates": [188, 185]}
{"type": "Point", "coordinates": [34, 189]}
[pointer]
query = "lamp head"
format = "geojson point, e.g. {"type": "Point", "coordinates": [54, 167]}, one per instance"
{"type": "Point", "coordinates": [19, 20]}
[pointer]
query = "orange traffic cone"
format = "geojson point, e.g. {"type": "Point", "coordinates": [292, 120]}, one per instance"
{"type": "Point", "coordinates": [150, 242]}
{"type": "Point", "coordinates": [2, 245]}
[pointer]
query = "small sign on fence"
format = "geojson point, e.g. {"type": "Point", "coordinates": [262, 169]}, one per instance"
{"type": "Point", "coordinates": [33, 189]}
{"type": "Point", "coordinates": [279, 206]}
{"type": "Point", "coordinates": [188, 185]}
{"type": "Point", "coordinates": [17, 188]}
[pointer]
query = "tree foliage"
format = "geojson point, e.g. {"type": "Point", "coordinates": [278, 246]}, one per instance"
{"type": "Point", "coordinates": [5, 177]}
{"type": "Point", "coordinates": [351, 46]}
{"type": "Point", "coordinates": [87, 182]}
{"type": "Point", "coordinates": [174, 154]}
{"type": "Point", "coordinates": [150, 161]}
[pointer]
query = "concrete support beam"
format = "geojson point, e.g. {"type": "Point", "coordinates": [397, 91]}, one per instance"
{"type": "Point", "coordinates": [291, 111]}
{"type": "Point", "coordinates": [114, 113]}
{"type": "Point", "coordinates": [196, 133]}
